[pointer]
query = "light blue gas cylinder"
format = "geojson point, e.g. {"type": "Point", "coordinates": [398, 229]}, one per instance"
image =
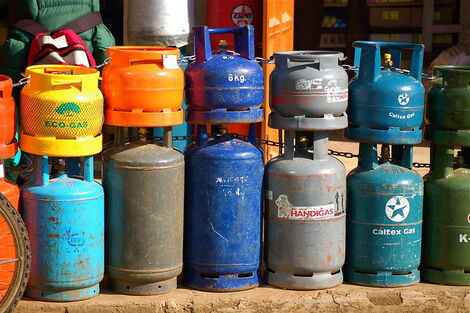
{"type": "Point", "coordinates": [64, 215]}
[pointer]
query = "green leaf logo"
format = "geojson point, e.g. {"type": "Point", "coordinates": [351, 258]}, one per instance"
{"type": "Point", "coordinates": [68, 108]}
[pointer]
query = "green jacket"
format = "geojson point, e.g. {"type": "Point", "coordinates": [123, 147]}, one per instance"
{"type": "Point", "coordinates": [51, 14]}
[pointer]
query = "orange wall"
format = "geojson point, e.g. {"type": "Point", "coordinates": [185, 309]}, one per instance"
{"type": "Point", "coordinates": [278, 35]}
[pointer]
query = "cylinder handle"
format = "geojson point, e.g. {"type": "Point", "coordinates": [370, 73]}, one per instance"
{"type": "Point", "coordinates": [244, 41]}
{"type": "Point", "coordinates": [367, 56]}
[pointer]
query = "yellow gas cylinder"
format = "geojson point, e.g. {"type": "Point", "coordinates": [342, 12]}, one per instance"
{"type": "Point", "coordinates": [61, 111]}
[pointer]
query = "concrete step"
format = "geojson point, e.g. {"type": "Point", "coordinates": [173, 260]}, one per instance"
{"type": "Point", "coordinates": [425, 298]}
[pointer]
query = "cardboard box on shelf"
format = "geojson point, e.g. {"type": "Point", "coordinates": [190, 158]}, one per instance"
{"type": "Point", "coordinates": [392, 1]}
{"type": "Point", "coordinates": [443, 39]}
{"type": "Point", "coordinates": [437, 39]}
{"type": "Point", "coordinates": [332, 2]}
{"type": "Point", "coordinates": [406, 38]}
{"type": "Point", "coordinates": [442, 15]}
{"type": "Point", "coordinates": [390, 17]}
{"type": "Point", "coordinates": [332, 41]}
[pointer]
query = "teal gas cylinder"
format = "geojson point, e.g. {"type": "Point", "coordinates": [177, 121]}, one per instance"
{"type": "Point", "coordinates": [384, 217]}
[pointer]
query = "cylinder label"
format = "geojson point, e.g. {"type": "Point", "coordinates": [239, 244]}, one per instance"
{"type": "Point", "coordinates": [309, 84]}
{"type": "Point", "coordinates": [334, 93]}
{"type": "Point", "coordinates": [170, 62]}
{"type": "Point", "coordinates": [397, 209]}
{"type": "Point", "coordinates": [393, 232]}
{"type": "Point", "coordinates": [242, 15]}
{"type": "Point", "coordinates": [464, 238]}
{"type": "Point", "coordinates": [287, 211]}
{"type": "Point", "coordinates": [403, 99]}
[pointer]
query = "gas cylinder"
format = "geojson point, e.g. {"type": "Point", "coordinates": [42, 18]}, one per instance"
{"type": "Point", "coordinates": [182, 130]}
{"type": "Point", "coordinates": [447, 186]}
{"type": "Point", "coordinates": [8, 189]}
{"type": "Point", "coordinates": [308, 89]}
{"type": "Point", "coordinates": [447, 218]}
{"type": "Point", "coordinates": [385, 202]}
{"type": "Point", "coordinates": [224, 87]}
{"type": "Point", "coordinates": [8, 143]}
{"type": "Point", "coordinates": [449, 101]}
{"type": "Point", "coordinates": [305, 217]}
{"type": "Point", "coordinates": [223, 194]}
{"type": "Point", "coordinates": [64, 215]}
{"type": "Point", "coordinates": [386, 105]}
{"type": "Point", "coordinates": [61, 111]}
{"type": "Point", "coordinates": [143, 184]}
{"type": "Point", "coordinates": [157, 22]}
{"type": "Point", "coordinates": [235, 13]}
{"type": "Point", "coordinates": [143, 87]}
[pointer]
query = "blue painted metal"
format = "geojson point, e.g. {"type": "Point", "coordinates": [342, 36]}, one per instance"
{"type": "Point", "coordinates": [385, 205]}
{"type": "Point", "coordinates": [224, 88]}
{"type": "Point", "coordinates": [386, 106]}
{"type": "Point", "coordinates": [64, 216]}
{"type": "Point", "coordinates": [222, 244]}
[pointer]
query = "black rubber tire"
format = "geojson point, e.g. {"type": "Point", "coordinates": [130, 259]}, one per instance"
{"type": "Point", "coordinates": [20, 234]}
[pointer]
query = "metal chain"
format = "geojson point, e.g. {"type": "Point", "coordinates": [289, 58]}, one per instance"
{"type": "Point", "coordinates": [105, 62]}
{"type": "Point", "coordinates": [21, 82]}
{"type": "Point", "coordinates": [347, 155]}
{"type": "Point", "coordinates": [407, 72]}
{"type": "Point", "coordinates": [348, 67]}
{"type": "Point", "coordinates": [421, 165]}
{"type": "Point", "coordinates": [265, 61]}
{"type": "Point", "coordinates": [400, 70]}
{"type": "Point", "coordinates": [428, 76]}
{"type": "Point", "coordinates": [187, 59]}
{"type": "Point", "coordinates": [271, 143]}
{"type": "Point", "coordinates": [25, 80]}
{"type": "Point", "coordinates": [343, 154]}
{"type": "Point", "coordinates": [230, 52]}
{"type": "Point", "coordinates": [181, 138]}
{"type": "Point", "coordinates": [21, 168]}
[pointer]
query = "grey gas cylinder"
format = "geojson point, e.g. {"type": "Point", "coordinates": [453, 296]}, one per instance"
{"type": "Point", "coordinates": [305, 217]}
{"type": "Point", "coordinates": [308, 88]}
{"type": "Point", "coordinates": [144, 204]}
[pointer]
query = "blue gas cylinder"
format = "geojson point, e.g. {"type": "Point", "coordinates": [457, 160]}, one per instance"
{"type": "Point", "coordinates": [386, 104]}
{"type": "Point", "coordinates": [222, 239]}
{"type": "Point", "coordinates": [225, 87]}
{"type": "Point", "coordinates": [385, 207]}
{"type": "Point", "coordinates": [64, 215]}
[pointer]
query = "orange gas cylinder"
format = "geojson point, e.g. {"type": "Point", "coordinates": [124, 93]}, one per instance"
{"type": "Point", "coordinates": [9, 189]}
{"type": "Point", "coordinates": [143, 87]}
{"type": "Point", "coordinates": [8, 143]}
